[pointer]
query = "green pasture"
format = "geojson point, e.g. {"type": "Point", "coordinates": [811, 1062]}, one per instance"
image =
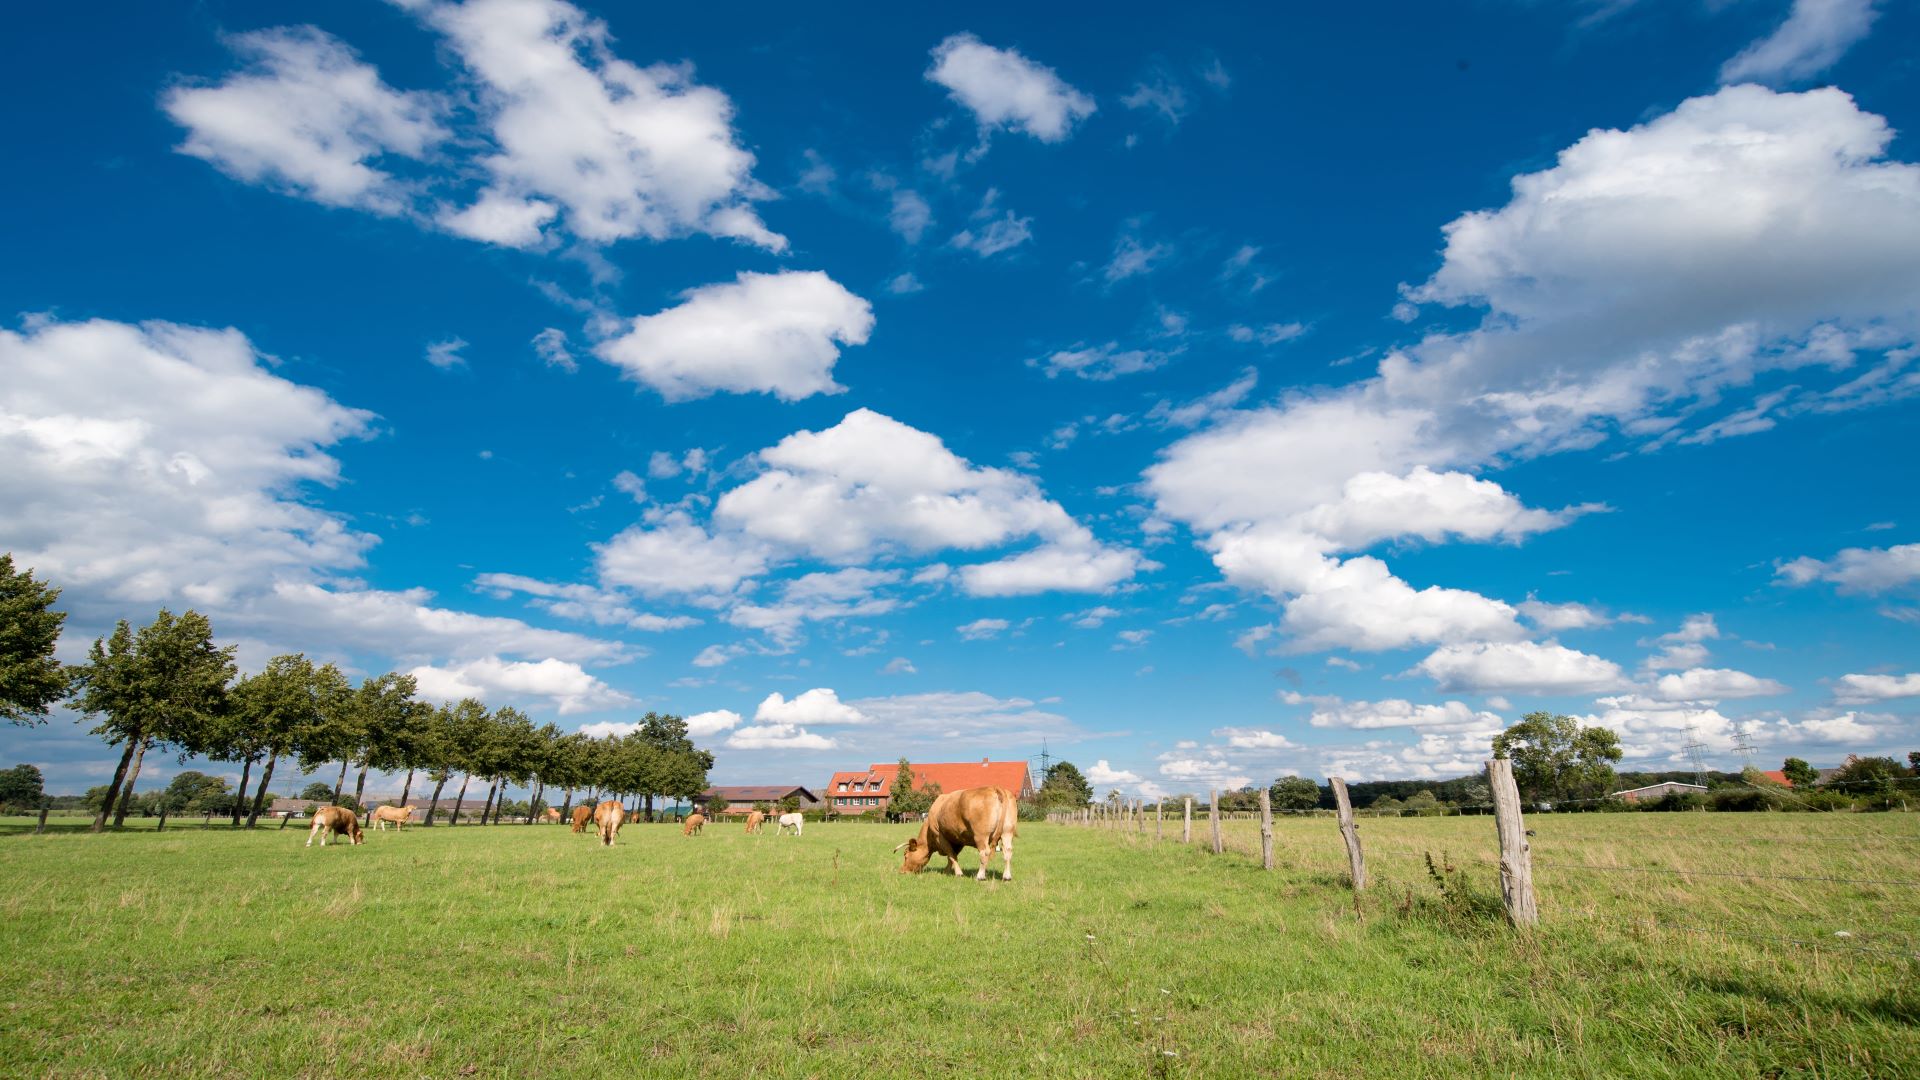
{"type": "Point", "coordinates": [527, 951]}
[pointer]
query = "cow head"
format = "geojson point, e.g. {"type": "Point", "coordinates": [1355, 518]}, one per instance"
{"type": "Point", "coordinates": [917, 855]}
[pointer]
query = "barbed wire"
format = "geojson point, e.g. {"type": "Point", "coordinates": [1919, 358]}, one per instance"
{"type": "Point", "coordinates": [1807, 943]}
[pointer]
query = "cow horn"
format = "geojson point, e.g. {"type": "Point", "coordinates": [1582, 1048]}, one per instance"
{"type": "Point", "coordinates": [903, 843]}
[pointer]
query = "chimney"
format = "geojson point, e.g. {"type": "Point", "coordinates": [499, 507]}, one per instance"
{"type": "Point", "coordinates": [984, 762]}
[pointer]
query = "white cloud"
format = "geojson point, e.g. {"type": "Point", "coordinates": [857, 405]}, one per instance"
{"type": "Point", "coordinates": [899, 665]}
{"type": "Point", "coordinates": [1376, 506]}
{"type": "Point", "coordinates": [817, 706]}
{"type": "Point", "coordinates": [982, 629]}
{"type": "Point", "coordinates": [1709, 684]}
{"type": "Point", "coordinates": [1003, 89]}
{"type": "Point", "coordinates": [581, 602]}
{"type": "Point", "coordinates": [1398, 712]}
{"type": "Point", "coordinates": [770, 333]}
{"type": "Point", "coordinates": [945, 717]}
{"type": "Point", "coordinates": [1205, 408]}
{"type": "Point", "coordinates": [703, 724]}
{"type": "Point", "coordinates": [670, 553]}
{"type": "Point", "coordinates": [609, 149]}
{"type": "Point", "coordinates": [1849, 729]}
{"type": "Point", "coordinates": [1684, 648]}
{"type": "Point", "coordinates": [1270, 334]}
{"type": "Point", "coordinates": [818, 597]}
{"type": "Point", "coordinates": [1862, 689]}
{"type": "Point", "coordinates": [1075, 564]}
{"type": "Point", "coordinates": [551, 346]}
{"type": "Point", "coordinates": [1101, 363]}
{"type": "Point", "coordinates": [1520, 666]}
{"type": "Point", "coordinates": [626, 483]}
{"type": "Point", "coordinates": [910, 215]}
{"type": "Point", "coordinates": [904, 284]}
{"type": "Point", "coordinates": [445, 355]}
{"type": "Point", "coordinates": [1254, 739]}
{"type": "Point", "coordinates": [778, 737]}
{"type": "Point", "coordinates": [1160, 94]}
{"type": "Point", "coordinates": [994, 234]}
{"type": "Point", "coordinates": [1814, 36]}
{"type": "Point", "coordinates": [564, 685]}
{"type": "Point", "coordinates": [1102, 775]}
{"type": "Point", "coordinates": [1556, 617]}
{"type": "Point", "coordinates": [718, 655]}
{"type": "Point", "coordinates": [1133, 258]}
{"type": "Point", "coordinates": [1858, 570]}
{"type": "Point", "coordinates": [1662, 267]}
{"type": "Point", "coordinates": [1207, 768]}
{"type": "Point", "coordinates": [1092, 618]}
{"type": "Point", "coordinates": [309, 116]}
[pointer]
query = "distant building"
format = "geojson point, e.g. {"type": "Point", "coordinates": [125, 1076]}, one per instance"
{"type": "Point", "coordinates": [859, 791]}
{"type": "Point", "coordinates": [1778, 776]}
{"type": "Point", "coordinates": [1657, 791]}
{"type": "Point", "coordinates": [294, 807]}
{"type": "Point", "coordinates": [742, 799]}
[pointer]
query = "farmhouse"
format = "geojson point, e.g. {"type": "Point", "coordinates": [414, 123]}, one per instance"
{"type": "Point", "coordinates": [1656, 791]}
{"type": "Point", "coordinates": [294, 807]}
{"type": "Point", "coordinates": [871, 788]}
{"type": "Point", "coordinates": [741, 800]}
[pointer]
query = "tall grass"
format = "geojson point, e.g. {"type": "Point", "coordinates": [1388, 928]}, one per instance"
{"type": "Point", "coordinates": [528, 951]}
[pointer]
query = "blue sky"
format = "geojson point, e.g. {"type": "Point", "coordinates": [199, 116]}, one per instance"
{"type": "Point", "coordinates": [1212, 395]}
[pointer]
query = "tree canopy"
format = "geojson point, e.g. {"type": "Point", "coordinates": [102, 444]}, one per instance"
{"type": "Point", "coordinates": [31, 680]}
{"type": "Point", "coordinates": [1065, 786]}
{"type": "Point", "coordinates": [1555, 758]}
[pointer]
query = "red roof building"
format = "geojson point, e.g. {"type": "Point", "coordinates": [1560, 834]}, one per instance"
{"type": "Point", "coordinates": [871, 788]}
{"type": "Point", "coordinates": [1777, 776]}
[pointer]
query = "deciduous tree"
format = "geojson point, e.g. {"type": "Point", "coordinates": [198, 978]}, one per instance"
{"type": "Point", "coordinates": [31, 680]}
{"type": "Point", "coordinates": [1294, 793]}
{"type": "Point", "coordinates": [1555, 758]}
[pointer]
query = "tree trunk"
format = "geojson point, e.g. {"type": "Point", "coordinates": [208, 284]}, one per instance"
{"type": "Point", "coordinates": [457, 803]}
{"type": "Point", "coordinates": [342, 782]}
{"type": "Point", "coordinates": [435, 808]}
{"type": "Point", "coordinates": [649, 808]}
{"type": "Point", "coordinates": [360, 790]}
{"type": "Point", "coordinates": [260, 796]}
{"type": "Point", "coordinates": [533, 802]}
{"type": "Point", "coordinates": [486, 808]}
{"type": "Point", "coordinates": [133, 775]}
{"type": "Point", "coordinates": [566, 808]}
{"type": "Point", "coordinates": [113, 789]}
{"type": "Point", "coordinates": [408, 789]}
{"type": "Point", "coordinates": [240, 794]}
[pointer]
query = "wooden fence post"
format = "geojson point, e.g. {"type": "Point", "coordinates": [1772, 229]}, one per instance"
{"type": "Point", "coordinates": [1139, 816]}
{"type": "Point", "coordinates": [1516, 858]}
{"type": "Point", "coordinates": [1159, 807]}
{"type": "Point", "coordinates": [1349, 832]}
{"type": "Point", "coordinates": [1266, 829]}
{"type": "Point", "coordinates": [1213, 814]}
{"type": "Point", "coordinates": [42, 827]}
{"type": "Point", "coordinates": [1186, 829]}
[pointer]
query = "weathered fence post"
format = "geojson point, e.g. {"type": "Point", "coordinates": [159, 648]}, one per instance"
{"type": "Point", "coordinates": [1159, 808]}
{"type": "Point", "coordinates": [1186, 829]}
{"type": "Point", "coordinates": [42, 827]}
{"type": "Point", "coordinates": [1349, 832]}
{"type": "Point", "coordinates": [1266, 829]}
{"type": "Point", "coordinates": [1139, 816]}
{"type": "Point", "coordinates": [1213, 814]}
{"type": "Point", "coordinates": [1516, 858]}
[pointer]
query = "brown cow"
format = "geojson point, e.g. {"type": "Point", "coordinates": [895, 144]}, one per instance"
{"type": "Point", "coordinates": [582, 814]}
{"type": "Point", "coordinates": [608, 816]}
{"type": "Point", "coordinates": [398, 815]}
{"type": "Point", "coordinates": [754, 818]}
{"type": "Point", "coordinates": [550, 816]}
{"type": "Point", "coordinates": [329, 820]}
{"type": "Point", "coordinates": [692, 827]}
{"type": "Point", "coordinates": [982, 818]}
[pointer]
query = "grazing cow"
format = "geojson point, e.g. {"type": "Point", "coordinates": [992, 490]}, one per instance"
{"type": "Point", "coordinates": [582, 814]}
{"type": "Point", "coordinates": [982, 818]}
{"type": "Point", "coordinates": [399, 816]}
{"type": "Point", "coordinates": [754, 818]}
{"type": "Point", "coordinates": [329, 820]}
{"type": "Point", "coordinates": [692, 827]}
{"type": "Point", "coordinates": [796, 822]}
{"type": "Point", "coordinates": [609, 816]}
{"type": "Point", "coordinates": [550, 816]}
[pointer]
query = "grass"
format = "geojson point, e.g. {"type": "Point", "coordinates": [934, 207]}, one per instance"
{"type": "Point", "coordinates": [528, 951]}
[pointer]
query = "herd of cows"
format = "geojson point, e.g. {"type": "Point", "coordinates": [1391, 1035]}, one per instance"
{"type": "Point", "coordinates": [983, 818]}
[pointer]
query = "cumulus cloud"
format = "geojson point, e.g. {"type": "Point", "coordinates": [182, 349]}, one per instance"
{"type": "Point", "coordinates": [564, 685]}
{"type": "Point", "coordinates": [1101, 363]}
{"type": "Point", "coordinates": [551, 346]}
{"type": "Point", "coordinates": [1005, 90]}
{"type": "Point", "coordinates": [778, 737]}
{"type": "Point", "coordinates": [1520, 666]}
{"type": "Point", "coordinates": [1398, 712]}
{"type": "Point", "coordinates": [817, 706]}
{"type": "Point", "coordinates": [778, 334]}
{"type": "Point", "coordinates": [309, 116]}
{"type": "Point", "coordinates": [818, 597]}
{"type": "Point", "coordinates": [1203, 767]}
{"type": "Point", "coordinates": [700, 725]}
{"type": "Point", "coordinates": [1102, 775]}
{"type": "Point", "coordinates": [168, 464]}
{"type": "Point", "coordinates": [670, 553]}
{"type": "Point", "coordinates": [1711, 684]}
{"type": "Point", "coordinates": [910, 215]}
{"type": "Point", "coordinates": [1863, 689]}
{"type": "Point", "coordinates": [581, 602]}
{"type": "Point", "coordinates": [982, 629]}
{"type": "Point", "coordinates": [1254, 739]}
{"type": "Point", "coordinates": [1815, 35]}
{"type": "Point", "coordinates": [1557, 617]}
{"type": "Point", "coordinates": [1662, 267]}
{"type": "Point", "coordinates": [1858, 570]}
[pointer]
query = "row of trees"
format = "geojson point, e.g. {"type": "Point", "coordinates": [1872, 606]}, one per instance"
{"type": "Point", "coordinates": [169, 687]}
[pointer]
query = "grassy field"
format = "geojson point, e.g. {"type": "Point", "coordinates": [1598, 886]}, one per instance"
{"type": "Point", "coordinates": [530, 952]}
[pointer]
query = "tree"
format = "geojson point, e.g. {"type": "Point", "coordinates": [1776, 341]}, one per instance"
{"type": "Point", "coordinates": [31, 680]}
{"type": "Point", "coordinates": [392, 723]}
{"type": "Point", "coordinates": [167, 684]}
{"type": "Point", "coordinates": [192, 792]}
{"type": "Point", "coordinates": [1913, 762]}
{"type": "Point", "coordinates": [468, 731]}
{"type": "Point", "coordinates": [790, 804]}
{"type": "Point", "coordinates": [1294, 793]}
{"type": "Point", "coordinates": [716, 804]}
{"type": "Point", "coordinates": [674, 767]}
{"type": "Point", "coordinates": [1555, 758]}
{"type": "Point", "coordinates": [908, 799]}
{"type": "Point", "coordinates": [1799, 773]}
{"type": "Point", "coordinates": [1064, 786]}
{"type": "Point", "coordinates": [21, 788]}
{"type": "Point", "coordinates": [285, 707]}
{"type": "Point", "coordinates": [318, 791]}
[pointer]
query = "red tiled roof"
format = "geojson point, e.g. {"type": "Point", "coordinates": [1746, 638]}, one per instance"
{"type": "Point", "coordinates": [757, 792]}
{"type": "Point", "coordinates": [950, 775]}
{"type": "Point", "coordinates": [1777, 776]}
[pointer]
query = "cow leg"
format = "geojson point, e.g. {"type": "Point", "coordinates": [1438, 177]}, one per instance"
{"type": "Point", "coordinates": [1006, 858]}
{"type": "Point", "coordinates": [985, 846]}
{"type": "Point", "coordinates": [311, 831]}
